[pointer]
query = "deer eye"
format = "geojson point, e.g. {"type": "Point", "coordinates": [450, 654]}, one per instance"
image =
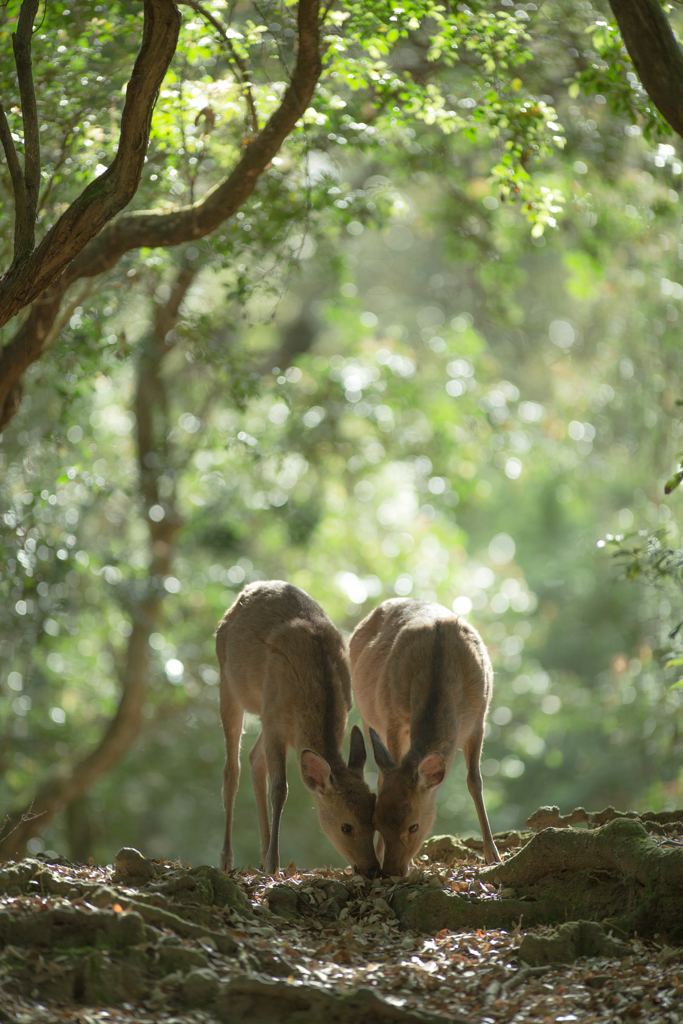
{"type": "Point", "coordinates": [347, 829]}
{"type": "Point", "coordinates": [414, 828]}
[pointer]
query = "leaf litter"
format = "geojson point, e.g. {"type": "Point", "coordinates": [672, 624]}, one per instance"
{"type": "Point", "coordinates": [314, 934]}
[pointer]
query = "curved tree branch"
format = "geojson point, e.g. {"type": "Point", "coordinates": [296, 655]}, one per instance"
{"type": "Point", "coordinates": [656, 55]}
{"type": "Point", "coordinates": [152, 229]}
{"type": "Point", "coordinates": [104, 197]}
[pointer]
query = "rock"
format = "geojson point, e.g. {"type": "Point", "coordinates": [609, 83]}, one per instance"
{"type": "Point", "coordinates": [105, 983]}
{"type": "Point", "coordinates": [199, 988]}
{"type": "Point", "coordinates": [67, 927]}
{"type": "Point", "coordinates": [444, 849]}
{"type": "Point", "coordinates": [131, 866]}
{"type": "Point", "coordinates": [277, 966]}
{"type": "Point", "coordinates": [336, 891]}
{"type": "Point", "coordinates": [284, 901]}
{"type": "Point", "coordinates": [219, 890]}
{"type": "Point", "coordinates": [249, 1000]}
{"type": "Point", "coordinates": [104, 896]}
{"type": "Point", "coordinates": [181, 958]}
{"type": "Point", "coordinates": [569, 942]}
{"type": "Point", "coordinates": [15, 876]}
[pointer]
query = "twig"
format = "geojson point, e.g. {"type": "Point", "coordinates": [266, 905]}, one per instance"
{"type": "Point", "coordinates": [26, 816]}
{"type": "Point", "coordinates": [245, 80]}
{"type": "Point", "coordinates": [58, 164]}
{"type": "Point", "coordinates": [12, 159]}
{"type": "Point", "coordinates": [521, 976]}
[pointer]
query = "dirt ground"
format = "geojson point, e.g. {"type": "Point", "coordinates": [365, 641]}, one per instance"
{"type": "Point", "coordinates": [143, 941]}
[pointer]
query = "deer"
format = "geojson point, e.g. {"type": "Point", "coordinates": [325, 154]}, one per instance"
{"type": "Point", "coordinates": [281, 658]}
{"type": "Point", "coordinates": [422, 681]}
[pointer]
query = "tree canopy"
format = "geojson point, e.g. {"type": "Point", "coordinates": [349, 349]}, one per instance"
{"type": "Point", "coordinates": [393, 308]}
{"type": "Point", "coordinates": [219, 76]}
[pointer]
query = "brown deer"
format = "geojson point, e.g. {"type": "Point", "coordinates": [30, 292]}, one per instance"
{"type": "Point", "coordinates": [281, 658]}
{"type": "Point", "coordinates": [422, 680]}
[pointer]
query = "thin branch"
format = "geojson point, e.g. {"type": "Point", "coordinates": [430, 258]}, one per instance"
{"type": "Point", "coordinates": [13, 164]}
{"type": "Point", "coordinates": [59, 163]}
{"type": "Point", "coordinates": [21, 44]}
{"type": "Point", "coordinates": [27, 816]}
{"type": "Point", "coordinates": [234, 57]}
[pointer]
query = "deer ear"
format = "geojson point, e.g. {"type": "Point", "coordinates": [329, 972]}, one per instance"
{"type": "Point", "coordinates": [315, 771]}
{"type": "Point", "coordinates": [382, 756]}
{"type": "Point", "coordinates": [357, 754]}
{"type": "Point", "coordinates": [431, 770]}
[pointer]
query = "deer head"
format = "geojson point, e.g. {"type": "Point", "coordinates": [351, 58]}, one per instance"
{"type": "Point", "coordinates": [345, 804]}
{"type": "Point", "coordinates": [406, 803]}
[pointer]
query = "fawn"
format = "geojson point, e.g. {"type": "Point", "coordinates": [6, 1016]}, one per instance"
{"type": "Point", "coordinates": [423, 681]}
{"type": "Point", "coordinates": [281, 658]}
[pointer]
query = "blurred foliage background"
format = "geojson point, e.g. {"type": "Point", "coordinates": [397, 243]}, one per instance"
{"type": "Point", "coordinates": [381, 379]}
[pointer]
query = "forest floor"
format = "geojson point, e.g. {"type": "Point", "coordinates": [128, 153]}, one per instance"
{"type": "Point", "coordinates": [150, 942]}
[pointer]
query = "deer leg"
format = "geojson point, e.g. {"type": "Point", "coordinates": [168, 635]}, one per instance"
{"type": "Point", "coordinates": [276, 759]}
{"type": "Point", "coordinates": [259, 779]}
{"type": "Point", "coordinates": [472, 751]}
{"type": "Point", "coordinates": [232, 715]}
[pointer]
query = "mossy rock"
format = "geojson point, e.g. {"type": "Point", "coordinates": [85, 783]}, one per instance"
{"type": "Point", "coordinates": [181, 958]}
{"type": "Point", "coordinates": [220, 891]}
{"type": "Point", "coordinates": [72, 927]}
{"type": "Point", "coordinates": [131, 867]}
{"type": "Point", "coordinates": [569, 942]}
{"type": "Point", "coordinates": [105, 982]}
{"type": "Point", "coordinates": [284, 901]}
{"type": "Point", "coordinates": [16, 875]}
{"type": "Point", "coordinates": [248, 1000]}
{"type": "Point", "coordinates": [199, 988]}
{"type": "Point", "coordinates": [445, 849]}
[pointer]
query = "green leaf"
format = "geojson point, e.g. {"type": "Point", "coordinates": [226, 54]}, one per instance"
{"type": "Point", "coordinates": [673, 482]}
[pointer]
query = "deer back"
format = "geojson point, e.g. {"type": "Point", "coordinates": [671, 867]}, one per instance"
{"type": "Point", "coordinates": [282, 658]}
{"type": "Point", "coordinates": [432, 691]}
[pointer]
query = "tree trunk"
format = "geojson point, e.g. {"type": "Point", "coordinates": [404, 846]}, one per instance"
{"type": "Point", "coordinates": [656, 55]}
{"type": "Point", "coordinates": [80, 830]}
{"type": "Point", "coordinates": [64, 789]}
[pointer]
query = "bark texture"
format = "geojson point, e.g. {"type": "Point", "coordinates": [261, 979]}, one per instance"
{"type": "Point", "coordinates": [104, 197]}
{"type": "Point", "coordinates": [152, 229]}
{"type": "Point", "coordinates": [656, 55]}
{"type": "Point", "coordinates": [65, 789]}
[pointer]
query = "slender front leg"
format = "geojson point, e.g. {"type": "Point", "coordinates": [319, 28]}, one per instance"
{"type": "Point", "coordinates": [259, 779]}
{"type": "Point", "coordinates": [276, 759]}
{"type": "Point", "coordinates": [232, 715]}
{"type": "Point", "coordinates": [472, 752]}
